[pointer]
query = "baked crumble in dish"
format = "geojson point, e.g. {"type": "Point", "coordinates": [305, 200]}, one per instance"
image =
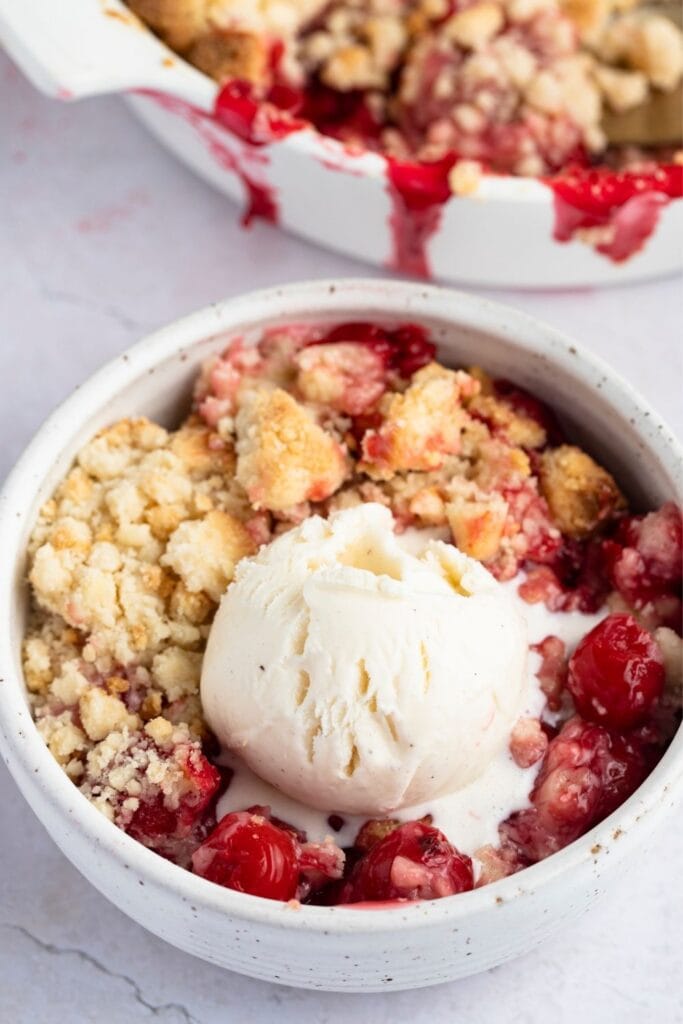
{"type": "Point", "coordinates": [449, 90]}
{"type": "Point", "coordinates": [130, 557]}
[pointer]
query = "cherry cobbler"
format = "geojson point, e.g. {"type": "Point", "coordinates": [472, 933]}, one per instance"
{"type": "Point", "coordinates": [448, 90]}
{"type": "Point", "coordinates": [134, 552]}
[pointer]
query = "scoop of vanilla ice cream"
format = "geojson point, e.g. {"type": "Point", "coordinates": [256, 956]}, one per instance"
{"type": "Point", "coordinates": [357, 677]}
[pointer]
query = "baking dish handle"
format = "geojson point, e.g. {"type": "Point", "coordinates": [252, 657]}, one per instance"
{"type": "Point", "coordinates": [75, 48]}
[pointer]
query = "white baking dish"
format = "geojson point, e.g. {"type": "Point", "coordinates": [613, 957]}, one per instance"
{"type": "Point", "coordinates": [500, 236]}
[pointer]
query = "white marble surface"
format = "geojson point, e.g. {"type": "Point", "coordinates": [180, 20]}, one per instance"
{"type": "Point", "coordinates": [102, 238]}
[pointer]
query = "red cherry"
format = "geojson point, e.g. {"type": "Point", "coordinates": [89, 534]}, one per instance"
{"type": "Point", "coordinates": [347, 116]}
{"type": "Point", "coordinates": [413, 349]}
{"type": "Point", "coordinates": [616, 673]}
{"type": "Point", "coordinates": [358, 330]}
{"type": "Point", "coordinates": [286, 97]}
{"type": "Point", "coordinates": [415, 861]}
{"type": "Point", "coordinates": [241, 109]}
{"type": "Point", "coordinates": [153, 821]}
{"type": "Point", "coordinates": [586, 774]}
{"type": "Point", "coordinates": [247, 853]}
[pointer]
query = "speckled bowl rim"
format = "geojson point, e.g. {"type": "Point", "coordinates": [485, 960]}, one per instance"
{"type": "Point", "coordinates": [27, 755]}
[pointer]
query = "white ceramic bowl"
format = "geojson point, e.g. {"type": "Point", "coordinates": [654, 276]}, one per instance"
{"type": "Point", "coordinates": [317, 947]}
{"type": "Point", "coordinates": [501, 236]}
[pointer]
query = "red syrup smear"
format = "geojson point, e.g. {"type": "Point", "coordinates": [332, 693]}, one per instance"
{"type": "Point", "coordinates": [627, 202]}
{"type": "Point", "coordinates": [252, 122]}
{"type": "Point", "coordinates": [418, 192]}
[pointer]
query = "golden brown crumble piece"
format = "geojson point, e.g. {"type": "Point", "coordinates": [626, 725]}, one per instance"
{"type": "Point", "coordinates": [48, 644]}
{"type": "Point", "coordinates": [622, 90]}
{"type": "Point", "coordinates": [66, 741]}
{"type": "Point", "coordinates": [477, 523]}
{"type": "Point", "coordinates": [283, 457]}
{"type": "Point", "coordinates": [221, 538]}
{"type": "Point", "coordinates": [355, 45]}
{"type": "Point", "coordinates": [230, 54]}
{"type": "Point", "coordinates": [473, 27]}
{"type": "Point", "coordinates": [178, 22]}
{"type": "Point", "coordinates": [346, 377]}
{"type": "Point", "coordinates": [494, 863]}
{"type": "Point", "coordinates": [518, 428]}
{"type": "Point", "coordinates": [102, 713]}
{"type": "Point", "coordinates": [421, 426]}
{"type": "Point", "coordinates": [230, 38]}
{"type": "Point", "coordinates": [498, 465]}
{"type": "Point", "coordinates": [376, 829]}
{"type": "Point", "coordinates": [580, 494]}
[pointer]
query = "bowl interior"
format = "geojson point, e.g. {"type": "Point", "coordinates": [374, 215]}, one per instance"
{"type": "Point", "coordinates": [155, 379]}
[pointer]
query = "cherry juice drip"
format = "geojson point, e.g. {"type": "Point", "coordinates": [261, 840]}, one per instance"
{"type": "Point", "coordinates": [418, 192]}
{"type": "Point", "coordinates": [244, 121]}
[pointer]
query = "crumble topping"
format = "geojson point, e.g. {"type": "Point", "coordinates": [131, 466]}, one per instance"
{"type": "Point", "coordinates": [283, 457]}
{"type": "Point", "coordinates": [228, 38]}
{"type": "Point", "coordinates": [580, 494]}
{"type": "Point", "coordinates": [110, 550]}
{"type": "Point", "coordinates": [421, 426]}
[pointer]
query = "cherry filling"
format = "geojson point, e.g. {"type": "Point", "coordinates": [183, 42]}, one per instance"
{"type": "Point", "coordinates": [640, 557]}
{"type": "Point", "coordinates": [344, 116]}
{"type": "Point", "coordinates": [248, 853]}
{"type": "Point", "coordinates": [586, 773]}
{"type": "Point", "coordinates": [404, 349]}
{"type": "Point", "coordinates": [418, 192]}
{"type": "Point", "coordinates": [251, 851]}
{"type": "Point", "coordinates": [173, 828]}
{"type": "Point", "coordinates": [616, 673]}
{"type": "Point", "coordinates": [414, 861]}
{"type": "Point", "coordinates": [258, 120]}
{"type": "Point", "coordinates": [644, 559]}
